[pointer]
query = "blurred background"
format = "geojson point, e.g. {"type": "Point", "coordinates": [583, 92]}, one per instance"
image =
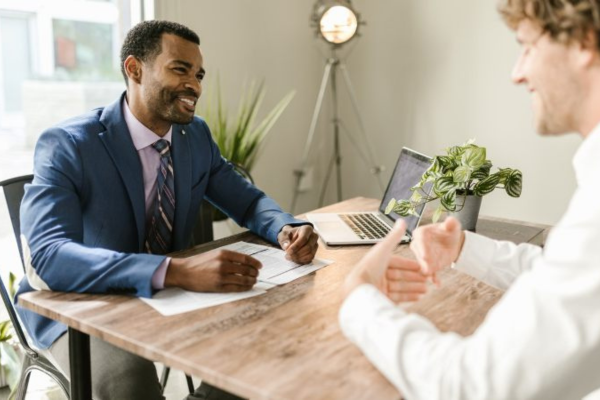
{"type": "Point", "coordinates": [426, 74]}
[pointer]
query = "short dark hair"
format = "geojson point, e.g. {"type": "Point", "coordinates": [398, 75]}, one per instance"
{"type": "Point", "coordinates": [143, 40]}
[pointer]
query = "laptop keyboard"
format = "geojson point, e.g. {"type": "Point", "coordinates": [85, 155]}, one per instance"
{"type": "Point", "coordinates": [366, 226]}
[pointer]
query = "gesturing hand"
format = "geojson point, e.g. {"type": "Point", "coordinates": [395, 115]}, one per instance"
{"type": "Point", "coordinates": [437, 245]}
{"type": "Point", "coordinates": [299, 242]}
{"type": "Point", "coordinates": [399, 278]}
{"type": "Point", "coordinates": [214, 271]}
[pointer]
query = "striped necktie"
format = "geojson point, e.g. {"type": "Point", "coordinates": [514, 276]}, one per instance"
{"type": "Point", "coordinates": [160, 234]}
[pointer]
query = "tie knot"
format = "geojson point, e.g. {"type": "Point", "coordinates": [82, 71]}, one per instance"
{"type": "Point", "coordinates": [162, 146]}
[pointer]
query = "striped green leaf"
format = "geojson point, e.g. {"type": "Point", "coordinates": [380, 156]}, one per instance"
{"type": "Point", "coordinates": [443, 185]}
{"type": "Point", "coordinates": [462, 174]}
{"type": "Point", "coordinates": [390, 206]}
{"type": "Point", "coordinates": [514, 183]}
{"type": "Point", "coordinates": [455, 151]}
{"type": "Point", "coordinates": [405, 208]}
{"type": "Point", "coordinates": [449, 200]}
{"type": "Point", "coordinates": [503, 173]}
{"type": "Point", "coordinates": [480, 174]}
{"type": "Point", "coordinates": [474, 157]}
{"type": "Point", "coordinates": [416, 196]}
{"type": "Point", "coordinates": [486, 185]}
{"type": "Point", "coordinates": [437, 214]}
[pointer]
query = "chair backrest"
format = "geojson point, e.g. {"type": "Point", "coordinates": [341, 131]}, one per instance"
{"type": "Point", "coordinates": [14, 189]}
{"type": "Point", "coordinates": [203, 229]}
{"type": "Point", "coordinates": [10, 308]}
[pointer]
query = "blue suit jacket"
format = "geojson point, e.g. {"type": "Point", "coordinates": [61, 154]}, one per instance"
{"type": "Point", "coordinates": [83, 216]}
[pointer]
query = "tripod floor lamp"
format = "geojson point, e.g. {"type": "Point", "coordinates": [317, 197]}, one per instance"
{"type": "Point", "coordinates": [337, 23]}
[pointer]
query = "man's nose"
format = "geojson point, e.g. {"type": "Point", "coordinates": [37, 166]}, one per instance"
{"type": "Point", "coordinates": [195, 86]}
{"type": "Point", "coordinates": [518, 73]}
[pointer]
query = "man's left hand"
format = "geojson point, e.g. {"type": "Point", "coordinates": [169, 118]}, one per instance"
{"type": "Point", "coordinates": [400, 279]}
{"type": "Point", "coordinates": [299, 242]}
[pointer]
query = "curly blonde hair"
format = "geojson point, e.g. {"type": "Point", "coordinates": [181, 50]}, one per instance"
{"type": "Point", "coordinates": [564, 20]}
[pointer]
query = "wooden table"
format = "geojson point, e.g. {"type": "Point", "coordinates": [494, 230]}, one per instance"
{"type": "Point", "coordinates": [285, 344]}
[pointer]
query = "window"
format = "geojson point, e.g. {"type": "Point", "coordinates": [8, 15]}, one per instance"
{"type": "Point", "coordinates": [58, 59]}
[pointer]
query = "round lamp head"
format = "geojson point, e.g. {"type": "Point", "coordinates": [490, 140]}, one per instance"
{"type": "Point", "coordinates": [336, 21]}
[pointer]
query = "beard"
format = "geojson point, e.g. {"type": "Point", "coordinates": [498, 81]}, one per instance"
{"type": "Point", "coordinates": [553, 115]}
{"type": "Point", "coordinates": [165, 104]}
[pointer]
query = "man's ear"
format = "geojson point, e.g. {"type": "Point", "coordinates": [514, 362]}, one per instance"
{"type": "Point", "coordinates": [589, 53]}
{"type": "Point", "coordinates": [133, 69]}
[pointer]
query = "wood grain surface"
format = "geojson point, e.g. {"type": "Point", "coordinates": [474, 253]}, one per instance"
{"type": "Point", "coordinates": [285, 344]}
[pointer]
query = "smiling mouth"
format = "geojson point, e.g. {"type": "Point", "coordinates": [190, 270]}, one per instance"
{"type": "Point", "coordinates": [189, 103]}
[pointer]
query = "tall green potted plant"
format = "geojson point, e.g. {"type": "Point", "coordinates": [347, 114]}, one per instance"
{"type": "Point", "coordinates": [240, 136]}
{"type": "Point", "coordinates": [459, 179]}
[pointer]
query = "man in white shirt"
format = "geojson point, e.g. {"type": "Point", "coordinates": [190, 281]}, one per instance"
{"type": "Point", "coordinates": [542, 339]}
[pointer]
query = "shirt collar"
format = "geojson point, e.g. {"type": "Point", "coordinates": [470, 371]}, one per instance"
{"type": "Point", "coordinates": [142, 136]}
{"type": "Point", "coordinates": [586, 156]}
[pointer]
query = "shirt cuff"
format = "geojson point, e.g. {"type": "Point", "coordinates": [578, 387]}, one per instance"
{"type": "Point", "coordinates": [476, 255]}
{"type": "Point", "coordinates": [158, 279]}
{"type": "Point", "coordinates": [361, 306]}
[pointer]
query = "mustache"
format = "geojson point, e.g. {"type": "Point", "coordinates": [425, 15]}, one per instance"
{"type": "Point", "coordinates": [189, 93]}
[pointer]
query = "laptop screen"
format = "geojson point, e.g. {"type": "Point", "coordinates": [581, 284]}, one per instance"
{"type": "Point", "coordinates": [409, 169]}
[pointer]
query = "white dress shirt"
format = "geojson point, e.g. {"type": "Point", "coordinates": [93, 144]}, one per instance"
{"type": "Point", "coordinates": [540, 341]}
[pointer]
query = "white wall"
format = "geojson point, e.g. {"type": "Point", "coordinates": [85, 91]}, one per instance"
{"type": "Point", "coordinates": [428, 74]}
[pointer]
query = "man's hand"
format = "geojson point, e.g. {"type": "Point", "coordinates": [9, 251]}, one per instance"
{"type": "Point", "coordinates": [299, 242]}
{"type": "Point", "coordinates": [214, 271]}
{"type": "Point", "coordinates": [399, 278]}
{"type": "Point", "coordinates": [437, 245]}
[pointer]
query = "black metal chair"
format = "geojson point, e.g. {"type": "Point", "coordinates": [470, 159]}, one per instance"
{"type": "Point", "coordinates": [33, 361]}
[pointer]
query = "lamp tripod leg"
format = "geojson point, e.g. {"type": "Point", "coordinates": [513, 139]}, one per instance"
{"type": "Point", "coordinates": [311, 132]}
{"type": "Point", "coordinates": [326, 181]}
{"type": "Point", "coordinates": [376, 169]}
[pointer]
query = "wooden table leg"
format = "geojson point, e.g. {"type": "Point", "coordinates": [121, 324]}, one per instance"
{"type": "Point", "coordinates": [81, 371]}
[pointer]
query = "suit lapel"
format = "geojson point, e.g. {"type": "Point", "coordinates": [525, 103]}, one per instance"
{"type": "Point", "coordinates": [182, 164]}
{"type": "Point", "coordinates": [119, 145]}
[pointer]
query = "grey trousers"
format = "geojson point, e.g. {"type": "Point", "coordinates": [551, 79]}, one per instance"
{"type": "Point", "coordinates": [116, 373]}
{"type": "Point", "coordinates": [120, 375]}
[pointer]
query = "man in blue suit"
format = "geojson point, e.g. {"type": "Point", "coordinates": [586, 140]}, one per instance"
{"type": "Point", "coordinates": [117, 188]}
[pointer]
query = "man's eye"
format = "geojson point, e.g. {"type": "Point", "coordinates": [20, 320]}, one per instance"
{"type": "Point", "coordinates": [199, 77]}
{"type": "Point", "coordinates": [179, 70]}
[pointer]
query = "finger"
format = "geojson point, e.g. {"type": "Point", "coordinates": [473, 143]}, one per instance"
{"type": "Point", "coordinates": [229, 268]}
{"type": "Point", "coordinates": [377, 259]}
{"type": "Point", "coordinates": [308, 250]}
{"type": "Point", "coordinates": [389, 243]}
{"type": "Point", "coordinates": [239, 280]}
{"type": "Point", "coordinates": [404, 263]}
{"type": "Point", "coordinates": [299, 240]}
{"type": "Point", "coordinates": [234, 288]}
{"type": "Point", "coordinates": [402, 297]}
{"type": "Point", "coordinates": [406, 287]}
{"type": "Point", "coordinates": [394, 274]}
{"type": "Point", "coordinates": [436, 280]}
{"type": "Point", "coordinates": [451, 224]}
{"type": "Point", "coordinates": [285, 238]}
{"type": "Point", "coordinates": [239, 258]}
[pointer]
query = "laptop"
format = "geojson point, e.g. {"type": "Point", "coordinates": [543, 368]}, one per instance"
{"type": "Point", "coordinates": [353, 228]}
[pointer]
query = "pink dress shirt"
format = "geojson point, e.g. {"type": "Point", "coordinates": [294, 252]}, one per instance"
{"type": "Point", "coordinates": [143, 138]}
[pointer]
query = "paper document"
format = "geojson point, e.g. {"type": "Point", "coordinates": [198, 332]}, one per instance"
{"type": "Point", "coordinates": [276, 270]}
{"type": "Point", "coordinates": [174, 301]}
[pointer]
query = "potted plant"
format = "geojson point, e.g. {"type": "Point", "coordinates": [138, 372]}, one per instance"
{"type": "Point", "coordinates": [10, 351]}
{"type": "Point", "coordinates": [240, 137]}
{"type": "Point", "coordinates": [459, 180]}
